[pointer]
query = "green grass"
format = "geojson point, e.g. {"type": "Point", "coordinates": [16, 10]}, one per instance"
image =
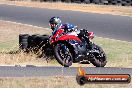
{"type": "Point", "coordinates": [9, 46]}
{"type": "Point", "coordinates": [119, 54]}
{"type": "Point", "coordinates": [116, 51]}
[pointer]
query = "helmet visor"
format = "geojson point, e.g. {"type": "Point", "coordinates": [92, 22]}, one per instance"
{"type": "Point", "coordinates": [52, 26]}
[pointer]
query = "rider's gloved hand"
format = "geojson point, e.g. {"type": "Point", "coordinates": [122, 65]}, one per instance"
{"type": "Point", "coordinates": [83, 32]}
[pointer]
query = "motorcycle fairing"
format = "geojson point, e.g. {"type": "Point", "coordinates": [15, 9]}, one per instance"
{"type": "Point", "coordinates": [69, 37]}
{"type": "Point", "coordinates": [61, 36]}
{"type": "Point", "coordinates": [79, 50]}
{"type": "Point", "coordinates": [91, 35]}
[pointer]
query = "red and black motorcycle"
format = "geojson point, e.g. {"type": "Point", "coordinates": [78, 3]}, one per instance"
{"type": "Point", "coordinates": [69, 48]}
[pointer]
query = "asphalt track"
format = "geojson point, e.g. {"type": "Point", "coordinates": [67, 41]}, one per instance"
{"type": "Point", "coordinates": [104, 25]}
{"type": "Point", "coordinates": [31, 71]}
{"type": "Point", "coordinates": [116, 27]}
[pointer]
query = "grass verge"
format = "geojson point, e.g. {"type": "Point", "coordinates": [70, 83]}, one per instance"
{"type": "Point", "coordinates": [119, 53]}
{"type": "Point", "coordinates": [53, 82]}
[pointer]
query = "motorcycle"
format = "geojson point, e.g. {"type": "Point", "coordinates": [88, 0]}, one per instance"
{"type": "Point", "coordinates": [68, 48]}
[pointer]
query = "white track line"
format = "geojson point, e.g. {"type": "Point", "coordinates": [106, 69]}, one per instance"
{"type": "Point", "coordinates": [61, 9]}
{"type": "Point", "coordinates": [114, 39]}
{"type": "Point", "coordinates": [49, 29]}
{"type": "Point", "coordinates": [25, 24]}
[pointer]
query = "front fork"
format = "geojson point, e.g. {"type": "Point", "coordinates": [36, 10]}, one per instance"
{"type": "Point", "coordinates": [64, 48]}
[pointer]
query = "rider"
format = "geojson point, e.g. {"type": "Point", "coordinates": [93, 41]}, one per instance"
{"type": "Point", "coordinates": [55, 24]}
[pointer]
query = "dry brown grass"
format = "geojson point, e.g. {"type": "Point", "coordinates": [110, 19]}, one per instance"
{"type": "Point", "coordinates": [9, 42]}
{"type": "Point", "coordinates": [9, 33]}
{"type": "Point", "coordinates": [115, 10]}
{"type": "Point", "coordinates": [53, 82]}
{"type": "Point", "coordinates": [14, 30]}
{"type": "Point", "coordinates": [121, 57]}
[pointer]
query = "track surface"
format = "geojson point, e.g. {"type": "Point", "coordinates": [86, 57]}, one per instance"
{"type": "Point", "coordinates": [7, 71]}
{"type": "Point", "coordinates": [110, 26]}
{"type": "Point", "coordinates": [117, 27]}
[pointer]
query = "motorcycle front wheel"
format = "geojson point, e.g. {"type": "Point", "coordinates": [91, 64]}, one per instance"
{"type": "Point", "coordinates": [63, 54]}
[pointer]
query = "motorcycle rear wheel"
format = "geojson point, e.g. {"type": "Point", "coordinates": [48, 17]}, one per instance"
{"type": "Point", "coordinates": [101, 59]}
